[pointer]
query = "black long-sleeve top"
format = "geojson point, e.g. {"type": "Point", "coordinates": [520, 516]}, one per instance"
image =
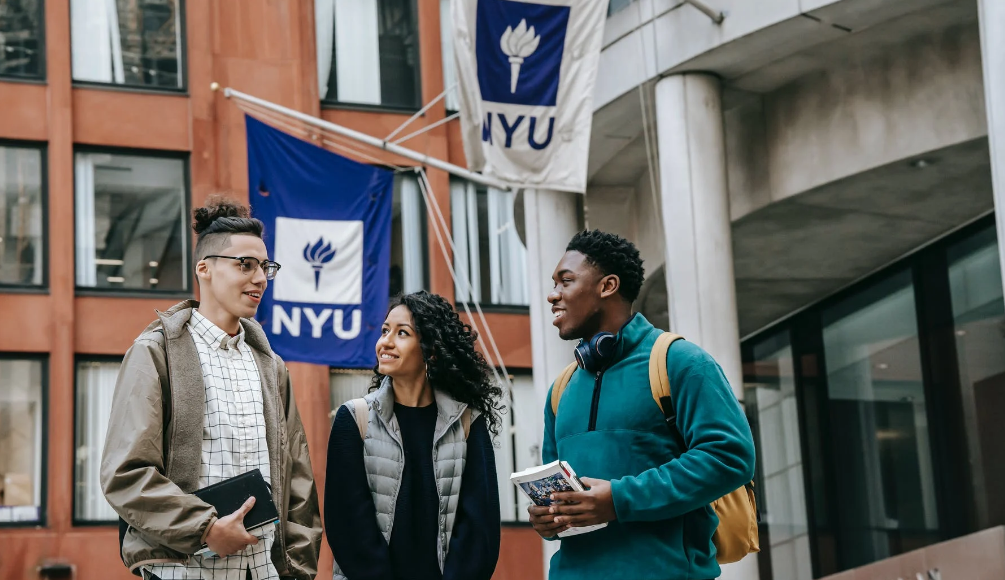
{"type": "Point", "coordinates": [350, 515]}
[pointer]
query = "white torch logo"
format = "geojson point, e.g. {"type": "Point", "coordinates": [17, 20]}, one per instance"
{"type": "Point", "coordinates": [517, 45]}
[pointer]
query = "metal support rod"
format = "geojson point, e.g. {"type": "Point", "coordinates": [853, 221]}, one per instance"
{"type": "Point", "coordinates": [419, 113]}
{"type": "Point", "coordinates": [717, 16]}
{"type": "Point", "coordinates": [419, 158]}
{"type": "Point", "coordinates": [427, 128]}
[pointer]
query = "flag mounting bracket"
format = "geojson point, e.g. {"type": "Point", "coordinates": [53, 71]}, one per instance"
{"type": "Point", "coordinates": [717, 16]}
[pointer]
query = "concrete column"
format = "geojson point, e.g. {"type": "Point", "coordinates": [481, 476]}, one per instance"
{"type": "Point", "coordinates": [701, 289]}
{"type": "Point", "coordinates": [551, 219]}
{"type": "Point", "coordinates": [992, 25]}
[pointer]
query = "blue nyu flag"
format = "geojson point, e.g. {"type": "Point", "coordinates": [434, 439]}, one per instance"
{"type": "Point", "coordinates": [328, 222]}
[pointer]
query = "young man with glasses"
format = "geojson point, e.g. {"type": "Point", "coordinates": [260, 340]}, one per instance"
{"type": "Point", "coordinates": [201, 398]}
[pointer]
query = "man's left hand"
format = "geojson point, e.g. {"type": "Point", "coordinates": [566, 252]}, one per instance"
{"type": "Point", "coordinates": [585, 508]}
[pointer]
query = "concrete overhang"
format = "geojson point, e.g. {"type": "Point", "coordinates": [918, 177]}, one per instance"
{"type": "Point", "coordinates": [835, 197]}
{"type": "Point", "coordinates": [760, 47]}
{"type": "Point", "coordinates": [797, 251]}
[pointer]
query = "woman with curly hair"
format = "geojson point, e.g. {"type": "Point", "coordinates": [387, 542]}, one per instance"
{"type": "Point", "coordinates": [411, 480]}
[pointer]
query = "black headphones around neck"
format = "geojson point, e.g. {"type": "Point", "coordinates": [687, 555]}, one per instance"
{"type": "Point", "coordinates": [595, 354]}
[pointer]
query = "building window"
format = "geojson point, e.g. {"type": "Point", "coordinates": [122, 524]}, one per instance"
{"type": "Point", "coordinates": [22, 236]}
{"type": "Point", "coordinates": [128, 42]}
{"type": "Point", "coordinates": [368, 52]}
{"type": "Point", "coordinates": [770, 398]}
{"type": "Point", "coordinates": [95, 388]}
{"type": "Point", "coordinates": [978, 305]}
{"type": "Point", "coordinates": [519, 445]}
{"type": "Point", "coordinates": [409, 255]}
{"type": "Point", "coordinates": [451, 99]}
{"type": "Point", "coordinates": [22, 39]}
{"type": "Point", "coordinates": [893, 457]}
{"type": "Point", "coordinates": [489, 253]}
{"type": "Point", "coordinates": [131, 227]}
{"type": "Point", "coordinates": [877, 406]}
{"type": "Point", "coordinates": [22, 424]}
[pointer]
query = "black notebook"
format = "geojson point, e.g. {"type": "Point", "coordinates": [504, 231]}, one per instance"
{"type": "Point", "coordinates": [229, 495]}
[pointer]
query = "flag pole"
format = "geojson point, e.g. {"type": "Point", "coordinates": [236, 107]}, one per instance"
{"type": "Point", "coordinates": [367, 139]}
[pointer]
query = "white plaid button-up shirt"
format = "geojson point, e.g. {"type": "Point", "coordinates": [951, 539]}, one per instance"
{"type": "Point", "coordinates": [233, 442]}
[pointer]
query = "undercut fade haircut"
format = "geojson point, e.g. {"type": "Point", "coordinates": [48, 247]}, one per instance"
{"type": "Point", "coordinates": [613, 256]}
{"type": "Point", "coordinates": [219, 219]}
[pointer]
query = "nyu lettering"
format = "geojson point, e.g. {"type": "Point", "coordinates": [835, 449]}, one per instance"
{"type": "Point", "coordinates": [509, 128]}
{"type": "Point", "coordinates": [291, 321]}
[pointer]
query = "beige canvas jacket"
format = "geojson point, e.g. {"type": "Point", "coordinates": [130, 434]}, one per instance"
{"type": "Point", "coordinates": [153, 449]}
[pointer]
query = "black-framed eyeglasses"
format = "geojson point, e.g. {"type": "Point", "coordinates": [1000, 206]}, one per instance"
{"type": "Point", "coordinates": [249, 264]}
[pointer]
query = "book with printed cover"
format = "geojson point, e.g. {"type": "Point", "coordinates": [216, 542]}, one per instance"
{"type": "Point", "coordinates": [538, 483]}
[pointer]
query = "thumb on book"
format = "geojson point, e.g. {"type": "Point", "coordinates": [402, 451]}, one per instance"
{"type": "Point", "coordinates": [244, 509]}
{"type": "Point", "coordinates": [590, 482]}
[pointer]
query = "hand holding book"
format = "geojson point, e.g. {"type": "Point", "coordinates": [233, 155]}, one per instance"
{"type": "Point", "coordinates": [550, 487]}
{"type": "Point", "coordinates": [591, 507]}
{"type": "Point", "coordinates": [244, 506]}
{"type": "Point", "coordinates": [228, 535]}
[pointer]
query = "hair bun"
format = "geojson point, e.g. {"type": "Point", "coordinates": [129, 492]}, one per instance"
{"type": "Point", "coordinates": [217, 206]}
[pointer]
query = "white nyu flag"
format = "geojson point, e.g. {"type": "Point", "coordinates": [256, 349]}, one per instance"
{"type": "Point", "coordinates": [525, 80]}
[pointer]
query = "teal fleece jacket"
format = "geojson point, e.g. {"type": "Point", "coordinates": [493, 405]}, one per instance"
{"type": "Point", "coordinates": [609, 427]}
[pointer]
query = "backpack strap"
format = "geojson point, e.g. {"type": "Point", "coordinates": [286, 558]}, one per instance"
{"type": "Point", "coordinates": [559, 387]}
{"type": "Point", "coordinates": [659, 378]}
{"type": "Point", "coordinates": [466, 422]}
{"type": "Point", "coordinates": [362, 413]}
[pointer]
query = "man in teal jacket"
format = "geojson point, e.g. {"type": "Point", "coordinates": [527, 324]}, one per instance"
{"type": "Point", "coordinates": [651, 483]}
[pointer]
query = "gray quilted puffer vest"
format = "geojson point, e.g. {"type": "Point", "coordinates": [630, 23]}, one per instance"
{"type": "Point", "coordinates": [384, 460]}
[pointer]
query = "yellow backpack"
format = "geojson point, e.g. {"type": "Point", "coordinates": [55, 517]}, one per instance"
{"type": "Point", "coordinates": [736, 535]}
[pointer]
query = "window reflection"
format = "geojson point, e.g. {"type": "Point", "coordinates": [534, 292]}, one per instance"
{"type": "Point", "coordinates": [22, 47]}
{"type": "Point", "coordinates": [21, 428]}
{"type": "Point", "coordinates": [770, 399]}
{"type": "Point", "coordinates": [979, 322]}
{"type": "Point", "coordinates": [125, 42]}
{"type": "Point", "coordinates": [131, 225]}
{"type": "Point", "coordinates": [879, 424]}
{"type": "Point", "coordinates": [21, 235]}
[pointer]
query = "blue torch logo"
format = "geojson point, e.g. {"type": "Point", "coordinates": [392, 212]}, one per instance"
{"type": "Point", "coordinates": [317, 255]}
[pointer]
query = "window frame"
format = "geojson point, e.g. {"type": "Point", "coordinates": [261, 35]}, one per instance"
{"type": "Point", "coordinates": [751, 411]}
{"type": "Point", "coordinates": [332, 103]}
{"type": "Point", "coordinates": [41, 77]}
{"type": "Point", "coordinates": [485, 305]}
{"type": "Point", "coordinates": [396, 193]}
{"type": "Point", "coordinates": [443, 63]}
{"type": "Point", "coordinates": [43, 503]}
{"type": "Point", "coordinates": [188, 250]}
{"type": "Point", "coordinates": [132, 88]}
{"type": "Point", "coordinates": [77, 359]}
{"type": "Point", "coordinates": [511, 428]}
{"type": "Point", "coordinates": [927, 267]}
{"type": "Point", "coordinates": [43, 149]}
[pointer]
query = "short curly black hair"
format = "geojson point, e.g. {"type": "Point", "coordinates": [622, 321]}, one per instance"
{"type": "Point", "coordinates": [453, 364]}
{"type": "Point", "coordinates": [612, 255]}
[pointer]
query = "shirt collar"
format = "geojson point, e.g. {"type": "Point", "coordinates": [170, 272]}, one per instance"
{"type": "Point", "coordinates": [213, 335]}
